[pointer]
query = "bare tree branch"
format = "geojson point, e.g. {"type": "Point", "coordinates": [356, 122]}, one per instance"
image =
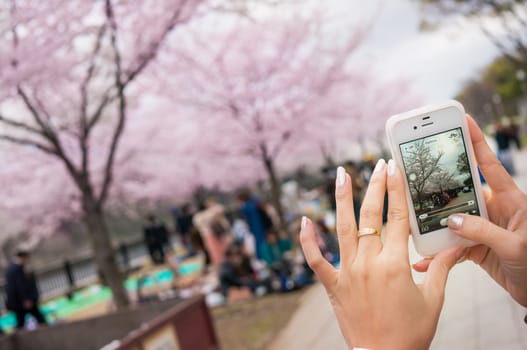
{"type": "Point", "coordinates": [108, 169]}
{"type": "Point", "coordinates": [46, 128]}
{"type": "Point", "coordinates": [89, 75]}
{"type": "Point", "coordinates": [514, 37]}
{"type": "Point", "coordinates": [47, 131]}
{"type": "Point", "coordinates": [518, 16]}
{"type": "Point", "coordinates": [513, 44]}
{"type": "Point", "coordinates": [121, 81]}
{"type": "Point", "coordinates": [500, 45]}
{"type": "Point", "coordinates": [83, 120]}
{"type": "Point", "coordinates": [20, 125]}
{"type": "Point", "coordinates": [154, 47]}
{"type": "Point", "coordinates": [27, 142]}
{"type": "Point", "coordinates": [41, 106]}
{"type": "Point", "coordinates": [97, 114]}
{"type": "Point", "coordinates": [278, 147]}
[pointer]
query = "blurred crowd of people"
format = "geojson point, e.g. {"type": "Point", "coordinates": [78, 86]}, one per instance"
{"type": "Point", "coordinates": [241, 237]}
{"type": "Point", "coordinates": [243, 241]}
{"type": "Point", "coordinates": [360, 173]}
{"type": "Point", "coordinates": [244, 245]}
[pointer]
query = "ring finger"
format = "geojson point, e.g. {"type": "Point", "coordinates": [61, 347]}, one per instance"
{"type": "Point", "coordinates": [371, 212]}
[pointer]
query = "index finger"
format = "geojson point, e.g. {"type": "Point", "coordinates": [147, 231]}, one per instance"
{"type": "Point", "coordinates": [494, 173]}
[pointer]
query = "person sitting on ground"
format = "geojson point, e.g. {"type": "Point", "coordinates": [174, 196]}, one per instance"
{"type": "Point", "coordinates": [274, 253]}
{"type": "Point", "coordinates": [302, 274]}
{"type": "Point", "coordinates": [21, 290]}
{"type": "Point", "coordinates": [242, 235]}
{"type": "Point", "coordinates": [329, 244]}
{"type": "Point", "coordinates": [376, 301]}
{"type": "Point", "coordinates": [274, 248]}
{"type": "Point", "coordinates": [236, 271]}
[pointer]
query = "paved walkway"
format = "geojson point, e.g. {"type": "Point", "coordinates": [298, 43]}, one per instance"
{"type": "Point", "coordinates": [477, 313]}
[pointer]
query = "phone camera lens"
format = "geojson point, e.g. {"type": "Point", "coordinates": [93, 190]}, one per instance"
{"type": "Point", "coordinates": [415, 127]}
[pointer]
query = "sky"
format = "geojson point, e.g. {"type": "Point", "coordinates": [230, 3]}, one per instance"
{"type": "Point", "coordinates": [438, 62]}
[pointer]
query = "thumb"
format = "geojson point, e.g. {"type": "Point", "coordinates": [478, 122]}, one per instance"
{"type": "Point", "coordinates": [435, 280]}
{"type": "Point", "coordinates": [481, 231]}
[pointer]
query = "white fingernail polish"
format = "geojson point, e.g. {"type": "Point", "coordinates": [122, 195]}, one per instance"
{"type": "Point", "coordinates": [455, 221]}
{"type": "Point", "coordinates": [303, 223]}
{"type": "Point", "coordinates": [341, 176]}
{"type": "Point", "coordinates": [380, 166]}
{"type": "Point", "coordinates": [391, 167]}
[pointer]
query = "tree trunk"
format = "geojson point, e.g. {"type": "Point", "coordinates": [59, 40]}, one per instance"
{"type": "Point", "coordinates": [276, 192]}
{"type": "Point", "coordinates": [104, 255]}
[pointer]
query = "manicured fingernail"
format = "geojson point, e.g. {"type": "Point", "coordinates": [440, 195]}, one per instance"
{"type": "Point", "coordinates": [455, 221]}
{"type": "Point", "coordinates": [460, 255]}
{"type": "Point", "coordinates": [303, 223]}
{"type": "Point", "coordinates": [391, 167]}
{"type": "Point", "coordinates": [341, 176]}
{"type": "Point", "coordinates": [380, 166]}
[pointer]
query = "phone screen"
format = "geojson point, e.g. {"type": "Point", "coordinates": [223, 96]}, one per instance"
{"type": "Point", "coordinates": [439, 178]}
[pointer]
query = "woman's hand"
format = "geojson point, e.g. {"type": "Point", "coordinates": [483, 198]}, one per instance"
{"type": "Point", "coordinates": [377, 303]}
{"type": "Point", "coordinates": [503, 241]}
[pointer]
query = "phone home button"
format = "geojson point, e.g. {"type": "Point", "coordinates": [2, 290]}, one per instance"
{"type": "Point", "coordinates": [444, 222]}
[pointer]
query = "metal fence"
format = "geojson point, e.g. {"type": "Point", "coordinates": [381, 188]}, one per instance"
{"type": "Point", "coordinates": [69, 275]}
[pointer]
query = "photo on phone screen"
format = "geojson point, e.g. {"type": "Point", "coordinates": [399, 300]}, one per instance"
{"type": "Point", "coordinates": [439, 178]}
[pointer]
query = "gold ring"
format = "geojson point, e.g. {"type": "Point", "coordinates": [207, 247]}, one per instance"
{"type": "Point", "coordinates": [366, 231]}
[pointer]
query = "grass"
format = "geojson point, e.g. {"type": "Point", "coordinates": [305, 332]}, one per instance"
{"type": "Point", "coordinates": [253, 324]}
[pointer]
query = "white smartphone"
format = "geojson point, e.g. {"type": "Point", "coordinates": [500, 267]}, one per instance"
{"type": "Point", "coordinates": [432, 146]}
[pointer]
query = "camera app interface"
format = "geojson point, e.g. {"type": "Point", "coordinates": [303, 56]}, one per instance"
{"type": "Point", "coordinates": [439, 178]}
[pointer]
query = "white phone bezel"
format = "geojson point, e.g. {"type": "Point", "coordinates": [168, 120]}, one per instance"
{"type": "Point", "coordinates": [400, 129]}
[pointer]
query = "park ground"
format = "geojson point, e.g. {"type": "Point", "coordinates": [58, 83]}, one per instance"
{"type": "Point", "coordinates": [254, 324]}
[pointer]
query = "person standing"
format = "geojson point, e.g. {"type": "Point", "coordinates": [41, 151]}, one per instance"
{"type": "Point", "coordinates": [505, 135]}
{"type": "Point", "coordinates": [183, 222]}
{"type": "Point", "coordinates": [214, 230]}
{"type": "Point", "coordinates": [274, 252]}
{"type": "Point", "coordinates": [155, 237]}
{"type": "Point", "coordinates": [21, 290]}
{"type": "Point", "coordinates": [236, 271]}
{"type": "Point", "coordinates": [257, 218]}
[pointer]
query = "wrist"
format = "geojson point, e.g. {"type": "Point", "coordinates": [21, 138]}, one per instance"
{"type": "Point", "coordinates": [401, 345]}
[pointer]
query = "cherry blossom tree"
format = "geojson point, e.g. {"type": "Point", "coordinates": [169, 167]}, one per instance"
{"type": "Point", "coordinates": [260, 87]}
{"type": "Point", "coordinates": [107, 104]}
{"type": "Point", "coordinates": [270, 90]}
{"type": "Point", "coordinates": [67, 74]}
